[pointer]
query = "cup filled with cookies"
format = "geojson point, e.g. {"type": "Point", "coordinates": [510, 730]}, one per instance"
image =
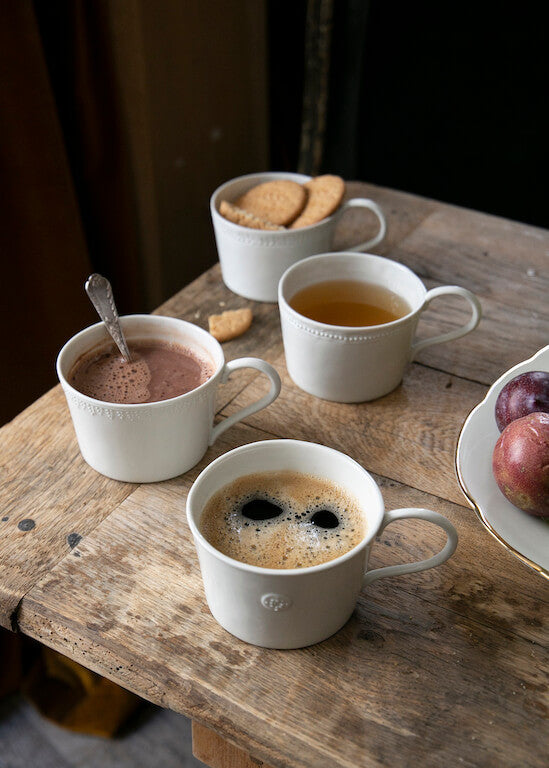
{"type": "Point", "coordinates": [265, 222]}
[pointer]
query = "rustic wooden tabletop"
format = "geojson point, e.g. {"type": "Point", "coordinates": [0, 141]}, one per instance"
{"type": "Point", "coordinates": [446, 667]}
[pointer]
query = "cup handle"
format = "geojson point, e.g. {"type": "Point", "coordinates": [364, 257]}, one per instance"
{"type": "Point", "coordinates": [263, 402]}
{"type": "Point", "coordinates": [476, 314]}
{"type": "Point", "coordinates": [362, 202]}
{"type": "Point", "coordinates": [421, 565]}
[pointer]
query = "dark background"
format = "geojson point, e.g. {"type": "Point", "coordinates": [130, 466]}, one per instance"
{"type": "Point", "coordinates": [120, 118]}
{"type": "Point", "coordinates": [444, 100]}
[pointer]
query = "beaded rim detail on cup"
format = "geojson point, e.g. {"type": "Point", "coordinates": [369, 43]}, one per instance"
{"type": "Point", "coordinates": [266, 238]}
{"type": "Point", "coordinates": [329, 336]}
{"type": "Point", "coordinates": [133, 414]}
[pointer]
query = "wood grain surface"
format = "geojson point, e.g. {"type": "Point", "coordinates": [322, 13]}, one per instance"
{"type": "Point", "coordinates": [427, 655]}
{"type": "Point", "coordinates": [446, 667]}
{"type": "Point", "coordinates": [217, 752]}
{"type": "Point", "coordinates": [414, 445]}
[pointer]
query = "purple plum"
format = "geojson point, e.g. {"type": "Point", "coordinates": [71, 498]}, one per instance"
{"type": "Point", "coordinates": [520, 463]}
{"type": "Point", "coordinates": [526, 393]}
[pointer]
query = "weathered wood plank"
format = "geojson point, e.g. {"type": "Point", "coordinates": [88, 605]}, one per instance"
{"type": "Point", "coordinates": [43, 477]}
{"type": "Point", "coordinates": [48, 497]}
{"type": "Point", "coordinates": [502, 262]}
{"type": "Point", "coordinates": [415, 671]}
{"type": "Point", "coordinates": [207, 295]}
{"type": "Point", "coordinates": [432, 668]}
{"type": "Point", "coordinates": [217, 752]}
{"type": "Point", "coordinates": [40, 465]}
{"type": "Point", "coordinates": [403, 213]}
{"type": "Point", "coordinates": [409, 435]}
{"type": "Point", "coordinates": [506, 264]}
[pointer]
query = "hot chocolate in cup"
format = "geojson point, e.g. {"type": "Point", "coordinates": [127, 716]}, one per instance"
{"type": "Point", "coordinates": [252, 260]}
{"type": "Point", "coordinates": [144, 442]}
{"type": "Point", "coordinates": [298, 606]}
{"type": "Point", "coordinates": [157, 370]}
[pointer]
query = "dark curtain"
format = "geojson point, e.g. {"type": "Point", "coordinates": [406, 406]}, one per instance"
{"type": "Point", "coordinates": [78, 49]}
{"type": "Point", "coordinates": [42, 244]}
{"type": "Point", "coordinates": [440, 100]}
{"type": "Point", "coordinates": [65, 208]}
{"type": "Point", "coordinates": [453, 104]}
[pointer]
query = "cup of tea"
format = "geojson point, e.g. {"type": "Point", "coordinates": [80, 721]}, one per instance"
{"type": "Point", "coordinates": [283, 530]}
{"type": "Point", "coordinates": [152, 418]}
{"type": "Point", "coordinates": [253, 260]}
{"type": "Point", "coordinates": [349, 321]}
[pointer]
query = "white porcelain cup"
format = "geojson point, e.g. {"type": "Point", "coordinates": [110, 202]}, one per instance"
{"type": "Point", "coordinates": [353, 365]}
{"type": "Point", "coordinates": [292, 608]}
{"type": "Point", "coordinates": [147, 442]}
{"type": "Point", "coordinates": [252, 260]}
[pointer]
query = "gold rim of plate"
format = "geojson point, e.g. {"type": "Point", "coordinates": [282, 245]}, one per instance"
{"type": "Point", "coordinates": [526, 560]}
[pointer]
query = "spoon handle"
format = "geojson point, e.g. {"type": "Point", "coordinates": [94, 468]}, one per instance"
{"type": "Point", "coordinates": [99, 290]}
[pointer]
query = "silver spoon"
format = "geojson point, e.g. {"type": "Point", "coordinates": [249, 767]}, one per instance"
{"type": "Point", "coordinates": [99, 290]}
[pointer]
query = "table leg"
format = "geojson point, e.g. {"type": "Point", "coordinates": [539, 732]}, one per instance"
{"type": "Point", "coordinates": [217, 752]}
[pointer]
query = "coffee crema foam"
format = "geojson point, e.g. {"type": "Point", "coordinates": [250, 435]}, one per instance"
{"type": "Point", "coordinates": [303, 534]}
{"type": "Point", "coordinates": [158, 370]}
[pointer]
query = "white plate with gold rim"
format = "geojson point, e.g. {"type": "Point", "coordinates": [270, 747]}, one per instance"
{"type": "Point", "coordinates": [527, 537]}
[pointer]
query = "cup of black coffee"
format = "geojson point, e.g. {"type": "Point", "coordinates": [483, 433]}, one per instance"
{"type": "Point", "coordinates": [283, 531]}
{"type": "Point", "coordinates": [149, 419]}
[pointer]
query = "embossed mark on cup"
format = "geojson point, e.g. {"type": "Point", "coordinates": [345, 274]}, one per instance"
{"type": "Point", "coordinates": [275, 602]}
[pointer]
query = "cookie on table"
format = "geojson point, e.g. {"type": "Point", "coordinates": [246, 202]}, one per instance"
{"type": "Point", "coordinates": [325, 196]}
{"type": "Point", "coordinates": [244, 218]}
{"type": "Point", "coordinates": [278, 201]}
{"type": "Point", "coordinates": [230, 324]}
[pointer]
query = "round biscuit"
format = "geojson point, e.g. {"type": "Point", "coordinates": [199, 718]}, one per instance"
{"type": "Point", "coordinates": [245, 219]}
{"type": "Point", "coordinates": [325, 196]}
{"type": "Point", "coordinates": [279, 202]}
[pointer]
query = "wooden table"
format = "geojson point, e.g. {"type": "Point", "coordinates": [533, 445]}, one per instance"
{"type": "Point", "coordinates": [446, 667]}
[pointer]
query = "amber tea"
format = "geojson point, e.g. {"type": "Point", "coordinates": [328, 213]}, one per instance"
{"type": "Point", "coordinates": [349, 303]}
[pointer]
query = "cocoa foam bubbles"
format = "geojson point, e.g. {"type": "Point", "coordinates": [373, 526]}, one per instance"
{"type": "Point", "coordinates": [158, 370]}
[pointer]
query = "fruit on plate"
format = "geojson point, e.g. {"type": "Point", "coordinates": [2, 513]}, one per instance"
{"type": "Point", "coordinates": [526, 393]}
{"type": "Point", "coordinates": [520, 463]}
